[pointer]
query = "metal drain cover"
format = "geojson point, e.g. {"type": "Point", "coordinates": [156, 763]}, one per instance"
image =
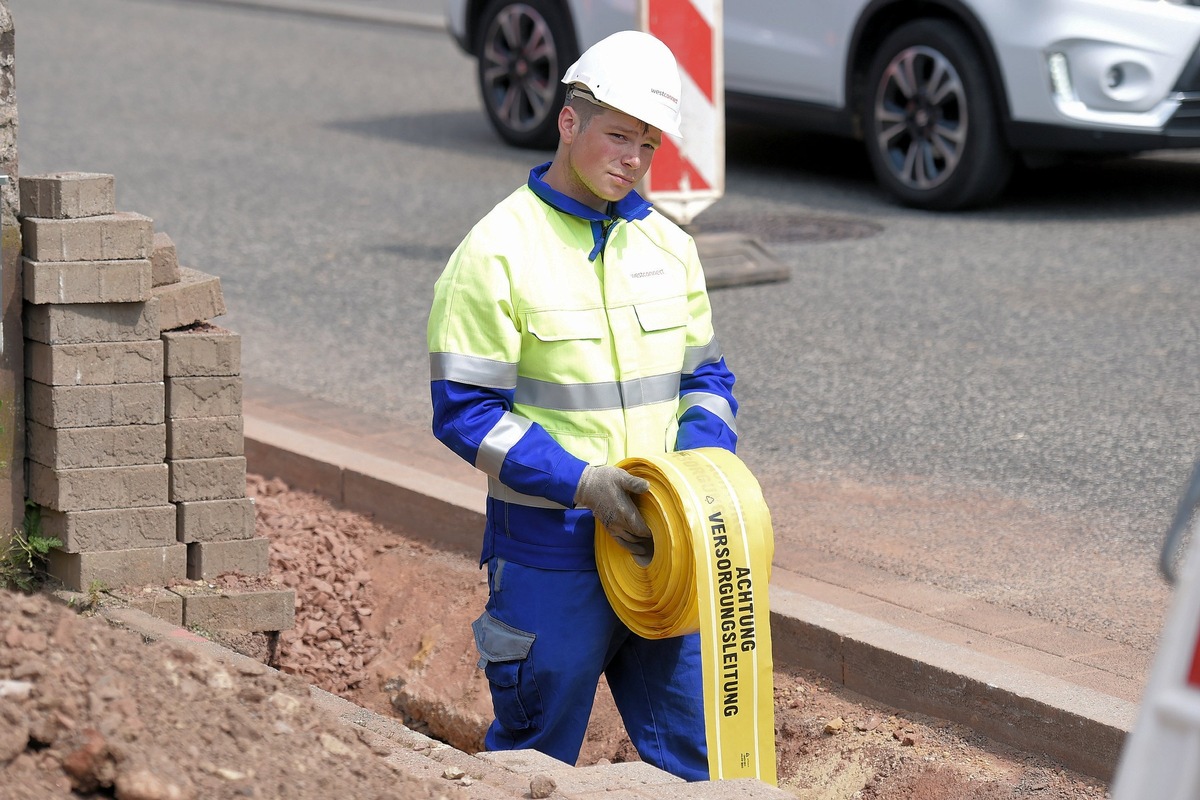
{"type": "Point", "coordinates": [735, 259]}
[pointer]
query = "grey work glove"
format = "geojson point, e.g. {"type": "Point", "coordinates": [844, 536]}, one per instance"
{"type": "Point", "coordinates": [606, 492]}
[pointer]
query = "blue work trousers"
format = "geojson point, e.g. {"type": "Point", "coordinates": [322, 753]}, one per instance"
{"type": "Point", "coordinates": [545, 638]}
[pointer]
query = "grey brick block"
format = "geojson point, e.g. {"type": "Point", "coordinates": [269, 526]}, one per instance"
{"type": "Point", "coordinates": [105, 446]}
{"type": "Point", "coordinates": [67, 195]}
{"type": "Point", "coordinates": [164, 262]}
{"type": "Point", "coordinates": [153, 600]}
{"type": "Point", "coordinates": [205, 437]}
{"type": "Point", "coordinates": [204, 397]}
{"type": "Point", "coordinates": [202, 350]}
{"type": "Point", "coordinates": [143, 566]}
{"type": "Point", "coordinates": [206, 560]}
{"type": "Point", "coordinates": [95, 406]}
{"type": "Point", "coordinates": [99, 487]}
{"type": "Point", "coordinates": [77, 323]}
{"type": "Point", "coordinates": [87, 281]}
{"type": "Point", "coordinates": [110, 237]}
{"type": "Point", "coordinates": [215, 520]}
{"type": "Point", "coordinates": [245, 610]}
{"type": "Point", "coordinates": [196, 297]}
{"type": "Point", "coordinates": [111, 528]}
{"type": "Point", "coordinates": [94, 363]}
{"type": "Point", "coordinates": [207, 479]}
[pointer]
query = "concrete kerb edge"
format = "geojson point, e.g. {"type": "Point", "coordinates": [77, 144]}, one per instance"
{"type": "Point", "coordinates": [346, 12]}
{"type": "Point", "coordinates": [1081, 728]}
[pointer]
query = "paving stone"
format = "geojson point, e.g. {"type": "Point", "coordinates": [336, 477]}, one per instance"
{"type": "Point", "coordinates": [109, 237]}
{"type": "Point", "coordinates": [219, 396]}
{"type": "Point", "coordinates": [207, 560]}
{"type": "Point", "coordinates": [102, 487]}
{"type": "Point", "coordinates": [67, 195]}
{"type": "Point", "coordinates": [94, 362]}
{"type": "Point", "coordinates": [237, 609]}
{"type": "Point", "coordinates": [522, 761]}
{"type": "Point", "coordinates": [106, 446]}
{"type": "Point", "coordinates": [86, 281]}
{"type": "Point", "coordinates": [111, 528]}
{"type": "Point", "coordinates": [75, 323]}
{"type": "Point", "coordinates": [495, 779]}
{"type": "Point", "coordinates": [109, 569]}
{"type": "Point", "coordinates": [95, 406]}
{"type": "Point", "coordinates": [630, 774]}
{"type": "Point", "coordinates": [154, 600]}
{"type": "Point", "coordinates": [736, 789]}
{"type": "Point", "coordinates": [215, 520]}
{"type": "Point", "coordinates": [205, 437]}
{"type": "Point", "coordinates": [207, 478]}
{"type": "Point", "coordinates": [164, 261]}
{"type": "Point", "coordinates": [195, 297]}
{"type": "Point", "coordinates": [202, 350]}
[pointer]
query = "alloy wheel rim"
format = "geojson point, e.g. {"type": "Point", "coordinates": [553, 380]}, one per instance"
{"type": "Point", "coordinates": [921, 118]}
{"type": "Point", "coordinates": [519, 67]}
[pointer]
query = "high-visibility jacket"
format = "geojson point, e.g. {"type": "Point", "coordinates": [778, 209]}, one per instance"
{"type": "Point", "coordinates": [561, 337]}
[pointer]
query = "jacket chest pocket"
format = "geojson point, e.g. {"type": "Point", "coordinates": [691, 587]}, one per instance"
{"type": "Point", "coordinates": [565, 346]}
{"type": "Point", "coordinates": [663, 328]}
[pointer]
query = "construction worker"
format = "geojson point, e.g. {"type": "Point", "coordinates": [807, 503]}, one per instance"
{"type": "Point", "coordinates": [570, 329]}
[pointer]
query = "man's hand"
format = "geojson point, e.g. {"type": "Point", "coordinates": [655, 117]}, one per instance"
{"type": "Point", "coordinates": [606, 491]}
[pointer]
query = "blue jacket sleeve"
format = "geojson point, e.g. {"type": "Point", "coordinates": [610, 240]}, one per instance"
{"type": "Point", "coordinates": [477, 424]}
{"type": "Point", "coordinates": [708, 409]}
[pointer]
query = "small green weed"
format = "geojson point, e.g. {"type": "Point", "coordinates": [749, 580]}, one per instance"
{"type": "Point", "coordinates": [23, 562]}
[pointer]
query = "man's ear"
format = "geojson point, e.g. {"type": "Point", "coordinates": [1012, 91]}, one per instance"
{"type": "Point", "coordinates": [568, 124]}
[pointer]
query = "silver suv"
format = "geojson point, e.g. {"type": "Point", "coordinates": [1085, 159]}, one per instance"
{"type": "Point", "coordinates": [946, 95]}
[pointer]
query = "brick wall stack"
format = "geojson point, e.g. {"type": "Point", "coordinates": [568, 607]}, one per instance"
{"type": "Point", "coordinates": [135, 442]}
{"type": "Point", "coordinates": [95, 398]}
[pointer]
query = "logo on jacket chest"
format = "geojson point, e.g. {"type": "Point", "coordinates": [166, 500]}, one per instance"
{"type": "Point", "coordinates": [648, 273]}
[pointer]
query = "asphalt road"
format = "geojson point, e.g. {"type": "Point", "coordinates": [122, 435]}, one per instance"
{"type": "Point", "coordinates": [1007, 398]}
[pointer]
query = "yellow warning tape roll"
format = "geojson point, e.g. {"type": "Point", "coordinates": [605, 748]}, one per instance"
{"type": "Point", "coordinates": [708, 572]}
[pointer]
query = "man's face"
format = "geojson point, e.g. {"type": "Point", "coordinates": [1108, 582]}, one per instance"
{"type": "Point", "coordinates": [607, 156]}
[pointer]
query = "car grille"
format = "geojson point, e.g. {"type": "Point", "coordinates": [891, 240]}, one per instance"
{"type": "Point", "coordinates": [1186, 119]}
{"type": "Point", "coordinates": [1189, 79]}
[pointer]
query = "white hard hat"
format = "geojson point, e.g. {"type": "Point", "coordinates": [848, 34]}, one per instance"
{"type": "Point", "coordinates": [632, 72]}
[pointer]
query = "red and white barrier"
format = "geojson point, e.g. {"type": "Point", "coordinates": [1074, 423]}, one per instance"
{"type": "Point", "coordinates": [689, 175]}
{"type": "Point", "coordinates": [1161, 757]}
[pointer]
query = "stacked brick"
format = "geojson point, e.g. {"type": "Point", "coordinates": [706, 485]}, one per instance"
{"type": "Point", "coordinates": [95, 407]}
{"type": "Point", "coordinates": [133, 399]}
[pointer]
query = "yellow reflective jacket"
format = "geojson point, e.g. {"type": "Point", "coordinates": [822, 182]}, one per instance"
{"type": "Point", "coordinates": [561, 337]}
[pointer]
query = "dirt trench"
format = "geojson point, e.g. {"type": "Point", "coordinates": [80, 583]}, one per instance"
{"type": "Point", "coordinates": [383, 619]}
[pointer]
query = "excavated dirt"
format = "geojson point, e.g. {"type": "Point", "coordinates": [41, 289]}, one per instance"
{"type": "Point", "coordinates": [383, 620]}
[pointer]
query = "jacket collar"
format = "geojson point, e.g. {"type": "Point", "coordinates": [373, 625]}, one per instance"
{"type": "Point", "coordinates": [630, 207]}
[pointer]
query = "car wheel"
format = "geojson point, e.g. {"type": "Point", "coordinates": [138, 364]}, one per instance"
{"type": "Point", "coordinates": [521, 52]}
{"type": "Point", "coordinates": [930, 119]}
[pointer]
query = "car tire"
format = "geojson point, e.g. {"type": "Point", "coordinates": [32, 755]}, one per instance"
{"type": "Point", "coordinates": [522, 48]}
{"type": "Point", "coordinates": [931, 122]}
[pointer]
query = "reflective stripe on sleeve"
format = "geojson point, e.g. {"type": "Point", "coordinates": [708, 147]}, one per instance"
{"type": "Point", "coordinates": [499, 440]}
{"type": "Point", "coordinates": [472, 370]}
{"type": "Point", "coordinates": [712, 403]}
{"type": "Point", "coordinates": [597, 396]}
{"type": "Point", "coordinates": [696, 357]}
{"type": "Point", "coordinates": [499, 491]}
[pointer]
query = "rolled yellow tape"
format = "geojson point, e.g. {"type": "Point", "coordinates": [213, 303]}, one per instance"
{"type": "Point", "coordinates": [708, 572]}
